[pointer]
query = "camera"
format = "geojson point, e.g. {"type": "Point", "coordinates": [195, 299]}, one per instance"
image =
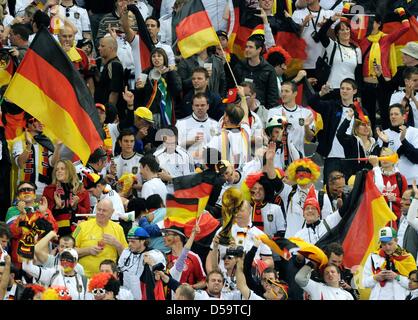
{"type": "Point", "coordinates": [236, 252]}
{"type": "Point", "coordinates": [315, 36]}
{"type": "Point", "coordinates": [158, 267]}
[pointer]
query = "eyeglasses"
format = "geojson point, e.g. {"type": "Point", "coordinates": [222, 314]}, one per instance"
{"type": "Point", "coordinates": [98, 291]}
{"type": "Point", "coordinates": [26, 190]}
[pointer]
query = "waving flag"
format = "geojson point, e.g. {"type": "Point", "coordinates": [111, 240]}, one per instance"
{"type": "Point", "coordinates": [195, 31]}
{"type": "Point", "coordinates": [47, 86]}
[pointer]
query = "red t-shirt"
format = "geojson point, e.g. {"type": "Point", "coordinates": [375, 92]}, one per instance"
{"type": "Point", "coordinates": [193, 271]}
{"type": "Point", "coordinates": [391, 187]}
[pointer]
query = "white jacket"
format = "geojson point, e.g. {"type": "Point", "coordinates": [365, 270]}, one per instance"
{"type": "Point", "coordinates": [393, 290]}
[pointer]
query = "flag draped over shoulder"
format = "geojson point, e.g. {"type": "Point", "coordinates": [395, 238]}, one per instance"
{"type": "Point", "coordinates": [145, 42]}
{"type": "Point", "coordinates": [367, 212]}
{"type": "Point", "coordinates": [195, 31]}
{"type": "Point", "coordinates": [47, 86]}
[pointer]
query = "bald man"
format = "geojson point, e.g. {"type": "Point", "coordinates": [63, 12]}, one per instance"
{"type": "Point", "coordinates": [98, 239]}
{"type": "Point", "coordinates": [111, 83]}
{"type": "Point", "coordinates": [77, 56]}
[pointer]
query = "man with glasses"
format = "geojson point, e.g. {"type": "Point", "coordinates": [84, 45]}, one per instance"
{"type": "Point", "coordinates": [412, 286]}
{"type": "Point", "coordinates": [78, 16]}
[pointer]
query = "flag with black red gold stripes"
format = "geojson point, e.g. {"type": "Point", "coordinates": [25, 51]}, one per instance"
{"type": "Point", "coordinates": [47, 86]}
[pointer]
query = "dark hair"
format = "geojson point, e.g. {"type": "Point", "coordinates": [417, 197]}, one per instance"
{"type": "Point", "coordinates": [124, 133]}
{"type": "Point", "coordinates": [26, 182]}
{"type": "Point", "coordinates": [276, 59]}
{"type": "Point", "coordinates": [111, 113]}
{"type": "Point", "coordinates": [339, 25]}
{"type": "Point", "coordinates": [162, 52]}
{"type": "Point", "coordinates": [200, 95]}
{"type": "Point", "coordinates": [201, 70]}
{"type": "Point", "coordinates": [216, 271]}
{"type": "Point", "coordinates": [113, 285]}
{"type": "Point", "coordinates": [235, 113]}
{"type": "Point", "coordinates": [138, 205]}
{"type": "Point", "coordinates": [409, 71]}
{"type": "Point", "coordinates": [110, 263]}
{"type": "Point", "coordinates": [5, 230]}
{"type": "Point", "coordinates": [258, 41]}
{"type": "Point", "coordinates": [153, 18]}
{"type": "Point", "coordinates": [154, 202]}
{"type": "Point", "coordinates": [21, 30]}
{"type": "Point", "coordinates": [351, 82]}
{"type": "Point", "coordinates": [397, 105]}
{"type": "Point", "coordinates": [334, 247]}
{"type": "Point", "coordinates": [331, 265]}
{"type": "Point", "coordinates": [293, 85]}
{"type": "Point", "coordinates": [413, 272]}
{"type": "Point", "coordinates": [41, 19]}
{"type": "Point", "coordinates": [151, 162]}
{"type": "Point", "coordinates": [97, 155]}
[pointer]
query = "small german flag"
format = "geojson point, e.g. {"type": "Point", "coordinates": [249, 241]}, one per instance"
{"type": "Point", "coordinates": [195, 31]}
{"type": "Point", "coordinates": [183, 213]}
{"type": "Point", "coordinates": [198, 185]}
{"type": "Point", "coordinates": [47, 86]}
{"type": "Point", "coordinates": [7, 68]}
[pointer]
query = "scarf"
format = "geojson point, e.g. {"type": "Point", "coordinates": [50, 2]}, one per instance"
{"type": "Point", "coordinates": [257, 217]}
{"type": "Point", "coordinates": [150, 289]}
{"type": "Point", "coordinates": [400, 261]}
{"type": "Point", "coordinates": [166, 106]}
{"type": "Point", "coordinates": [375, 54]}
{"type": "Point", "coordinates": [153, 94]}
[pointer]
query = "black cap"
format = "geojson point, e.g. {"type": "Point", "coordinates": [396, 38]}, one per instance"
{"type": "Point", "coordinates": [222, 33]}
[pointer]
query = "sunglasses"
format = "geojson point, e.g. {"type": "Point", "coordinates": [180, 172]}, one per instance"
{"type": "Point", "coordinates": [26, 190]}
{"type": "Point", "coordinates": [98, 291]}
{"type": "Point", "coordinates": [228, 257]}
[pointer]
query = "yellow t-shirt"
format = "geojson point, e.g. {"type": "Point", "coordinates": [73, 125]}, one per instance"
{"type": "Point", "coordinates": [89, 233]}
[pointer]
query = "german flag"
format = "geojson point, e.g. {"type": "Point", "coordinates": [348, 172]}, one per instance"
{"type": "Point", "coordinates": [145, 43]}
{"type": "Point", "coordinates": [198, 185]}
{"type": "Point", "coordinates": [242, 23]}
{"type": "Point", "coordinates": [183, 213]}
{"type": "Point", "coordinates": [195, 31]}
{"type": "Point", "coordinates": [367, 212]}
{"type": "Point", "coordinates": [285, 247]}
{"type": "Point", "coordinates": [7, 68]}
{"type": "Point", "coordinates": [47, 86]}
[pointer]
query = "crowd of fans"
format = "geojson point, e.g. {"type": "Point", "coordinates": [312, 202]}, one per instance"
{"type": "Point", "coordinates": [97, 231]}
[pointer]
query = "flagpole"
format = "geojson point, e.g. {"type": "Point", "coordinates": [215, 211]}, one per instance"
{"type": "Point", "coordinates": [229, 66]}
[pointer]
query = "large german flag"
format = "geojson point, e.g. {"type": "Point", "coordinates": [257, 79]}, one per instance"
{"type": "Point", "coordinates": [195, 31]}
{"type": "Point", "coordinates": [145, 43]}
{"type": "Point", "coordinates": [367, 212]}
{"type": "Point", "coordinates": [47, 86]}
{"type": "Point", "coordinates": [183, 213]}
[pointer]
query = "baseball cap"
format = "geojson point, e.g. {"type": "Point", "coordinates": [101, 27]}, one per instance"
{"type": "Point", "coordinates": [222, 33]}
{"type": "Point", "coordinates": [137, 233]}
{"type": "Point", "coordinates": [144, 113]}
{"type": "Point", "coordinates": [386, 234]}
{"type": "Point", "coordinates": [69, 252]}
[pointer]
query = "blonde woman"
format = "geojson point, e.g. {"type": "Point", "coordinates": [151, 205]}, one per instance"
{"type": "Point", "coordinates": [66, 196]}
{"type": "Point", "coordinates": [358, 144]}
